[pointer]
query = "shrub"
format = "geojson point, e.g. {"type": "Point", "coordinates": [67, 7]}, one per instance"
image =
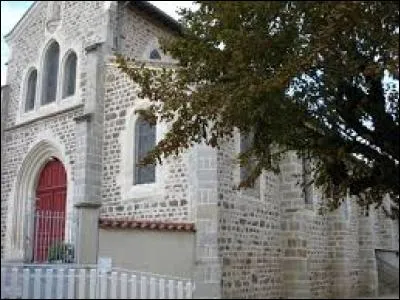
{"type": "Point", "coordinates": [61, 251]}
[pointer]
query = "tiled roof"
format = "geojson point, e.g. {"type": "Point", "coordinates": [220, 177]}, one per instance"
{"type": "Point", "coordinates": [145, 224]}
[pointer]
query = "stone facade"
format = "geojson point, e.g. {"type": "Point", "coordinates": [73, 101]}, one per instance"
{"type": "Point", "coordinates": [280, 246]}
{"type": "Point", "coordinates": [248, 233]}
{"type": "Point", "coordinates": [268, 246]}
{"type": "Point", "coordinates": [171, 200]}
{"type": "Point", "coordinates": [82, 24]}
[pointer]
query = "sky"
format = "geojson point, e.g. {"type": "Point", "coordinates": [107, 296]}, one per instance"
{"type": "Point", "coordinates": [12, 11]}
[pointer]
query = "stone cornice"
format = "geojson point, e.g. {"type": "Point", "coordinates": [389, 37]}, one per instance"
{"type": "Point", "coordinates": [93, 47]}
{"type": "Point", "coordinates": [73, 107]}
{"type": "Point", "coordinates": [85, 117]}
{"type": "Point", "coordinates": [111, 61]}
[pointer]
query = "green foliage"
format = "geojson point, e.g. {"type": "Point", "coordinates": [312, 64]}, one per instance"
{"type": "Point", "coordinates": [303, 76]}
{"type": "Point", "coordinates": [61, 251]}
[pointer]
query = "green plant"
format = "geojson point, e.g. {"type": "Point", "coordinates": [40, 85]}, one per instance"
{"type": "Point", "coordinates": [61, 251]}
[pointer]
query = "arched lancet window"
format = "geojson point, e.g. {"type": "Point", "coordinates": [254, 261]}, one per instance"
{"type": "Point", "coordinates": [69, 75]}
{"type": "Point", "coordinates": [154, 54]}
{"type": "Point", "coordinates": [145, 140]}
{"type": "Point", "coordinates": [307, 180]}
{"type": "Point", "coordinates": [31, 90]}
{"type": "Point", "coordinates": [245, 144]}
{"type": "Point", "coordinates": [246, 141]}
{"type": "Point", "coordinates": [50, 73]}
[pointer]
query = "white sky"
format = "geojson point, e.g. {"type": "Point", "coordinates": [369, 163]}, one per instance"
{"type": "Point", "coordinates": [12, 11]}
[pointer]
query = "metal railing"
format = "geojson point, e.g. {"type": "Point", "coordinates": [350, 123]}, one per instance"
{"type": "Point", "coordinates": [52, 238]}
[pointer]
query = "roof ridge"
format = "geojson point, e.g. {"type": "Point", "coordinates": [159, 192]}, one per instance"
{"type": "Point", "coordinates": [146, 6]}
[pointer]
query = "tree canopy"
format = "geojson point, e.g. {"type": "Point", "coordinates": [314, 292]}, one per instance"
{"type": "Point", "coordinates": [318, 78]}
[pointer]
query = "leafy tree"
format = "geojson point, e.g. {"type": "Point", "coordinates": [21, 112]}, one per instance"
{"type": "Point", "coordinates": [309, 77]}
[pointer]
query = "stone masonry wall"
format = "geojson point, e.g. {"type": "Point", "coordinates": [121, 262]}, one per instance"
{"type": "Point", "coordinates": [248, 234]}
{"type": "Point", "coordinates": [386, 230]}
{"type": "Point", "coordinates": [317, 253]}
{"type": "Point", "coordinates": [204, 187]}
{"type": "Point", "coordinates": [132, 32]}
{"type": "Point", "coordinates": [16, 144]}
{"type": "Point", "coordinates": [317, 246]}
{"type": "Point", "coordinates": [343, 249]}
{"type": "Point", "coordinates": [120, 98]}
{"type": "Point", "coordinates": [368, 275]}
{"type": "Point", "coordinates": [320, 252]}
{"type": "Point", "coordinates": [318, 256]}
{"type": "Point", "coordinates": [137, 32]}
{"type": "Point", "coordinates": [296, 229]}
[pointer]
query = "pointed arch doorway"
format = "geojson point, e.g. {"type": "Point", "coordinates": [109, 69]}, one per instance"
{"type": "Point", "coordinates": [50, 208]}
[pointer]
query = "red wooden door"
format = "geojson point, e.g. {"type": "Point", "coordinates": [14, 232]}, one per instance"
{"type": "Point", "coordinates": [50, 209]}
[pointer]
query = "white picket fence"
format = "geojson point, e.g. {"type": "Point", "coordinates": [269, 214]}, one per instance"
{"type": "Point", "coordinates": [67, 282]}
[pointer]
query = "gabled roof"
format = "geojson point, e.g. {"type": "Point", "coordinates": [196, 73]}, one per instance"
{"type": "Point", "coordinates": [156, 13]}
{"type": "Point", "coordinates": [144, 6]}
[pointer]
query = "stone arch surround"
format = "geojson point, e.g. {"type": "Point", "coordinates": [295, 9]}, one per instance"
{"type": "Point", "coordinates": [19, 221]}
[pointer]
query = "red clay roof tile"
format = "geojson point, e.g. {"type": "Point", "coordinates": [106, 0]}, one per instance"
{"type": "Point", "coordinates": [146, 224]}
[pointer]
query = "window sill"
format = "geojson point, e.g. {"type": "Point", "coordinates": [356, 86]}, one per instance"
{"type": "Point", "coordinates": [250, 195]}
{"type": "Point", "coordinates": [143, 191]}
